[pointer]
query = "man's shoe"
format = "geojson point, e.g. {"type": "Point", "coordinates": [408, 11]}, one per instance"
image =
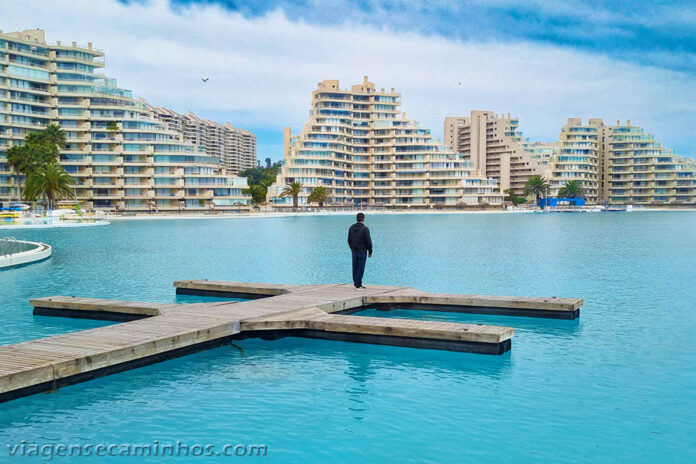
{"type": "Point", "coordinates": [362, 286]}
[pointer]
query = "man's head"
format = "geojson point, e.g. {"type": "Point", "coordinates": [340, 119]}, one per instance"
{"type": "Point", "coordinates": [360, 217]}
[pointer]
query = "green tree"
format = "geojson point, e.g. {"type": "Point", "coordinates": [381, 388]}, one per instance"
{"type": "Point", "coordinates": [45, 145]}
{"type": "Point", "coordinates": [268, 163]}
{"type": "Point", "coordinates": [51, 182]}
{"type": "Point", "coordinates": [259, 179]}
{"type": "Point", "coordinates": [41, 150]}
{"type": "Point", "coordinates": [537, 186]}
{"type": "Point", "coordinates": [112, 126]}
{"type": "Point", "coordinates": [19, 158]}
{"type": "Point", "coordinates": [292, 190]}
{"type": "Point", "coordinates": [572, 189]}
{"type": "Point", "coordinates": [514, 198]}
{"type": "Point", "coordinates": [258, 193]}
{"type": "Point", "coordinates": [53, 134]}
{"type": "Point", "coordinates": [319, 195]}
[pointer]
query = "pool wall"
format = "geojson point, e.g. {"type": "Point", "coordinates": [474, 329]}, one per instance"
{"type": "Point", "coordinates": [17, 252]}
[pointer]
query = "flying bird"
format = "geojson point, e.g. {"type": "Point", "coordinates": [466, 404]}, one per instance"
{"type": "Point", "coordinates": [205, 80]}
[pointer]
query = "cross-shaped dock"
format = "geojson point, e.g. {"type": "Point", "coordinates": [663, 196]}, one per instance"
{"type": "Point", "coordinates": [153, 332]}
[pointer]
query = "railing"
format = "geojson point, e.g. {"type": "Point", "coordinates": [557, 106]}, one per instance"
{"type": "Point", "coordinates": [9, 245]}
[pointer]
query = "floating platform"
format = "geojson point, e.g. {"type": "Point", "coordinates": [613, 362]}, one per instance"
{"type": "Point", "coordinates": [153, 332]}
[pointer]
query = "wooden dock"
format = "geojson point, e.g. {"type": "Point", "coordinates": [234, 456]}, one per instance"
{"type": "Point", "coordinates": [153, 332]}
{"type": "Point", "coordinates": [403, 298]}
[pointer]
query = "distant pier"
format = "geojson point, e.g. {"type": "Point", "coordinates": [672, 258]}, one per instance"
{"type": "Point", "coordinates": [153, 332]}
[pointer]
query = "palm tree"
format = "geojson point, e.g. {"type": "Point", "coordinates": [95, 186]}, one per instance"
{"type": "Point", "coordinates": [537, 186]}
{"type": "Point", "coordinates": [319, 195]}
{"type": "Point", "coordinates": [55, 135]}
{"type": "Point", "coordinates": [50, 181]}
{"type": "Point", "coordinates": [42, 149]}
{"type": "Point", "coordinates": [292, 190]}
{"type": "Point", "coordinates": [572, 189]}
{"type": "Point", "coordinates": [19, 158]}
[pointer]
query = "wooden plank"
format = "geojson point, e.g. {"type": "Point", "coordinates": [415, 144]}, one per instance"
{"type": "Point", "coordinates": [93, 304]}
{"type": "Point", "coordinates": [514, 302]}
{"type": "Point", "coordinates": [411, 328]}
{"type": "Point", "coordinates": [234, 287]}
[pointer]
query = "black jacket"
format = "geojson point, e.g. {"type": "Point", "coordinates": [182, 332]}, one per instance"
{"type": "Point", "coordinates": [359, 238]}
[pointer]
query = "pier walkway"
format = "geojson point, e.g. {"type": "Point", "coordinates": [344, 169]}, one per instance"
{"type": "Point", "coordinates": [153, 332]}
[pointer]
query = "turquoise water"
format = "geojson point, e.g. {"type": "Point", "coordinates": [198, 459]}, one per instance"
{"type": "Point", "coordinates": [616, 385]}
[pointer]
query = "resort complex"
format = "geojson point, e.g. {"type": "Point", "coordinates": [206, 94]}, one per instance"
{"type": "Point", "coordinates": [619, 164]}
{"type": "Point", "coordinates": [121, 156]}
{"type": "Point", "coordinates": [236, 148]}
{"type": "Point", "coordinates": [356, 149]}
{"type": "Point", "coordinates": [362, 150]}
{"type": "Point", "coordinates": [518, 287]}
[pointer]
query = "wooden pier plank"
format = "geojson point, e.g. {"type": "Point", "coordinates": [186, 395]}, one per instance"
{"type": "Point", "coordinates": [411, 328]}
{"type": "Point", "coordinates": [514, 302]}
{"type": "Point", "coordinates": [94, 304]}
{"type": "Point", "coordinates": [234, 287]}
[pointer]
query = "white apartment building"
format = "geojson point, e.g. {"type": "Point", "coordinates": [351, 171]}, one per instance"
{"type": "Point", "coordinates": [234, 147]}
{"type": "Point", "coordinates": [119, 155]}
{"type": "Point", "coordinates": [364, 151]}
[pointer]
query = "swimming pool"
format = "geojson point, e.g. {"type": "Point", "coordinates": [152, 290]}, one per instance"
{"type": "Point", "coordinates": [617, 384]}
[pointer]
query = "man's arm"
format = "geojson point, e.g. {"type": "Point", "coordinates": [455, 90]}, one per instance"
{"type": "Point", "coordinates": [368, 239]}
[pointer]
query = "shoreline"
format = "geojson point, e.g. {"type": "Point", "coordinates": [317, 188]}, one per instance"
{"type": "Point", "coordinates": [165, 216]}
{"type": "Point", "coordinates": [162, 216]}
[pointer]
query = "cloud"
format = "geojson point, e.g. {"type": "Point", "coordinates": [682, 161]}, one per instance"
{"type": "Point", "coordinates": [263, 68]}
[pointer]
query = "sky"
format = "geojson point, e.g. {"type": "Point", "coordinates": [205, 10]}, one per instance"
{"type": "Point", "coordinates": [542, 61]}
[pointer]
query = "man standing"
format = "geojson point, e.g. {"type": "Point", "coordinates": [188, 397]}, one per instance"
{"type": "Point", "coordinates": [360, 244]}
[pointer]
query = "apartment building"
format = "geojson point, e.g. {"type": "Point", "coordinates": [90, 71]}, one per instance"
{"type": "Point", "coordinates": [639, 170]}
{"type": "Point", "coordinates": [495, 146]}
{"type": "Point", "coordinates": [234, 147]}
{"type": "Point", "coordinates": [620, 164]}
{"type": "Point", "coordinates": [364, 151]}
{"type": "Point", "coordinates": [543, 152]}
{"type": "Point", "coordinates": [119, 155]}
{"type": "Point", "coordinates": [578, 157]}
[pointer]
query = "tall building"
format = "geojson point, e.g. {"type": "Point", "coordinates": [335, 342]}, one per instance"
{"type": "Point", "coordinates": [543, 152]}
{"type": "Point", "coordinates": [578, 157]}
{"type": "Point", "coordinates": [236, 148]}
{"type": "Point", "coordinates": [620, 164]}
{"type": "Point", "coordinates": [495, 146]}
{"type": "Point", "coordinates": [119, 155]}
{"type": "Point", "coordinates": [639, 170]}
{"type": "Point", "coordinates": [363, 150]}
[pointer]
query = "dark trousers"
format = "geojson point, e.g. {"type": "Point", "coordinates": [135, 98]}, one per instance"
{"type": "Point", "coordinates": [359, 260]}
